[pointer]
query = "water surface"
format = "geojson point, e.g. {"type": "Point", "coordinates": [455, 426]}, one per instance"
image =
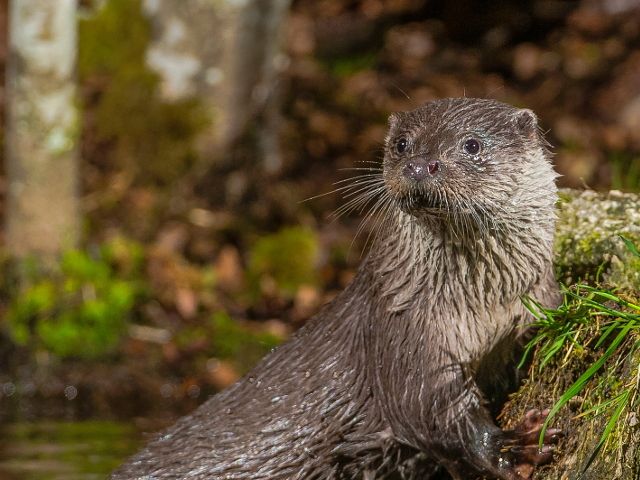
{"type": "Point", "coordinates": [79, 450]}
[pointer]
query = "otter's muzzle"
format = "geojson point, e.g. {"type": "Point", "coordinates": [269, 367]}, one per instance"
{"type": "Point", "coordinates": [419, 169]}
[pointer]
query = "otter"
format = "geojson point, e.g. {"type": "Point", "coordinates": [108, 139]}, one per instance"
{"type": "Point", "coordinates": [392, 378]}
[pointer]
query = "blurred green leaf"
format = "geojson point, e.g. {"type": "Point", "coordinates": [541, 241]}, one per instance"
{"type": "Point", "coordinates": [288, 257]}
{"type": "Point", "coordinates": [81, 310]}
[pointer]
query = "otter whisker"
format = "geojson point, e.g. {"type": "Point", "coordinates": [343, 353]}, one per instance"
{"type": "Point", "coordinates": [366, 220]}
{"type": "Point", "coordinates": [361, 188]}
{"type": "Point", "coordinates": [358, 202]}
{"type": "Point", "coordinates": [360, 169]}
{"type": "Point", "coordinates": [357, 181]}
{"type": "Point", "coordinates": [383, 223]}
{"type": "Point", "coordinates": [357, 177]}
{"type": "Point", "coordinates": [382, 210]}
{"type": "Point", "coordinates": [377, 163]}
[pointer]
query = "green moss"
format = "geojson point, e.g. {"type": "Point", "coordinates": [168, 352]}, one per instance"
{"type": "Point", "coordinates": [348, 65]}
{"type": "Point", "coordinates": [286, 260]}
{"type": "Point", "coordinates": [130, 122]}
{"type": "Point", "coordinates": [586, 246]}
{"type": "Point", "coordinates": [588, 243]}
{"type": "Point", "coordinates": [232, 340]}
{"type": "Point", "coordinates": [564, 196]}
{"type": "Point", "coordinates": [82, 308]}
{"type": "Point", "coordinates": [228, 339]}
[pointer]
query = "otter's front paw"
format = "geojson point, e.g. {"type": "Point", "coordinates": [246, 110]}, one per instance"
{"type": "Point", "coordinates": [523, 442]}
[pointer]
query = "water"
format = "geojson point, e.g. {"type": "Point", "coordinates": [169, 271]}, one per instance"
{"type": "Point", "coordinates": [48, 450]}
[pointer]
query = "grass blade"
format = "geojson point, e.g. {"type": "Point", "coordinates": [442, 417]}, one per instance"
{"type": "Point", "coordinates": [630, 246]}
{"type": "Point", "coordinates": [579, 384]}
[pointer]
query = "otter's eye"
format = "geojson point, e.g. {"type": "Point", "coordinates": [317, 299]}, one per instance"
{"type": "Point", "coordinates": [472, 146]}
{"type": "Point", "coordinates": [401, 145]}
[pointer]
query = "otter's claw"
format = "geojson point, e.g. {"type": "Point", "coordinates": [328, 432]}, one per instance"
{"type": "Point", "coordinates": [523, 443]}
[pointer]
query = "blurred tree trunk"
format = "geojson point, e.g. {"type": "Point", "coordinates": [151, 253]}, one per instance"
{"type": "Point", "coordinates": [41, 136]}
{"type": "Point", "coordinates": [253, 61]}
{"type": "Point", "coordinates": [226, 53]}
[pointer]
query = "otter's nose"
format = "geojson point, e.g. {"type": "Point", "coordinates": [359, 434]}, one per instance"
{"type": "Point", "coordinates": [418, 170]}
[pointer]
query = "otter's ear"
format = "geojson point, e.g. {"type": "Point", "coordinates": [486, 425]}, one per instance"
{"type": "Point", "coordinates": [526, 121]}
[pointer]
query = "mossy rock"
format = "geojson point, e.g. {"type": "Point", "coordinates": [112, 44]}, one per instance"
{"type": "Point", "coordinates": [589, 235]}
{"type": "Point", "coordinates": [590, 249]}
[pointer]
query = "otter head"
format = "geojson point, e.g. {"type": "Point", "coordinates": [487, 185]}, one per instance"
{"type": "Point", "coordinates": [469, 163]}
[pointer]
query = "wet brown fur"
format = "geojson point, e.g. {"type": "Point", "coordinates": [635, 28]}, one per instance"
{"type": "Point", "coordinates": [387, 380]}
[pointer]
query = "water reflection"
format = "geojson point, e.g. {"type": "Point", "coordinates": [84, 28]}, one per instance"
{"type": "Point", "coordinates": [50, 450]}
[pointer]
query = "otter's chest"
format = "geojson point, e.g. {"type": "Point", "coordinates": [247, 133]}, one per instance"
{"type": "Point", "coordinates": [441, 324]}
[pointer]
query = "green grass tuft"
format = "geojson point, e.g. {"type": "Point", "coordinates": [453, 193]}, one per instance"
{"type": "Point", "coordinates": [602, 327]}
